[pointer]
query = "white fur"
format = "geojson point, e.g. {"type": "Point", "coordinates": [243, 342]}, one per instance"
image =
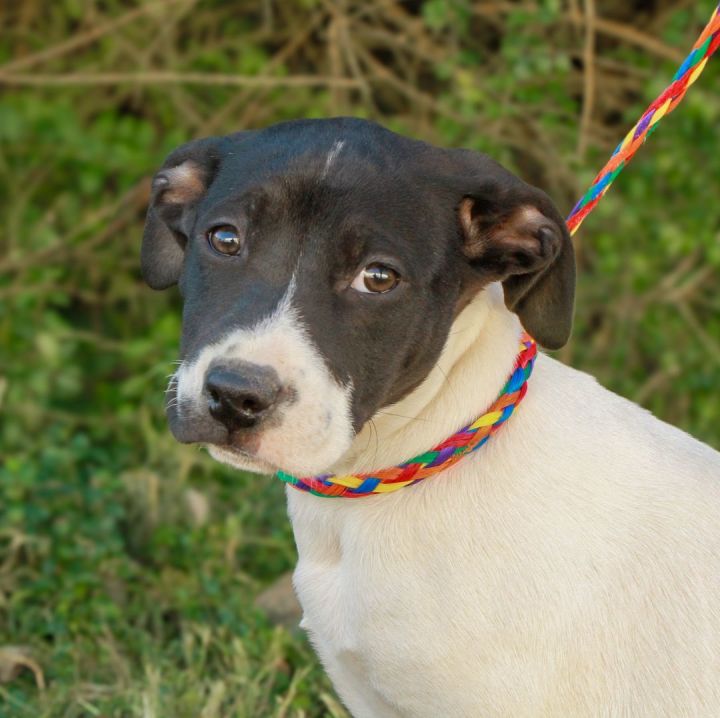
{"type": "Point", "coordinates": [570, 567]}
{"type": "Point", "coordinates": [312, 429]}
{"type": "Point", "coordinates": [335, 150]}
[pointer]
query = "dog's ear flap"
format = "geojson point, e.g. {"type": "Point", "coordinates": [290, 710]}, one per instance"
{"type": "Point", "coordinates": [176, 189]}
{"type": "Point", "coordinates": [513, 233]}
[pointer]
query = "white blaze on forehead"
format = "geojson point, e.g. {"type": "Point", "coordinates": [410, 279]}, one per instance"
{"type": "Point", "coordinates": [313, 425]}
{"type": "Point", "coordinates": [332, 156]}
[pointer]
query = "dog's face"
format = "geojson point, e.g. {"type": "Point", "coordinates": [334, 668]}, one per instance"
{"type": "Point", "coordinates": [322, 263]}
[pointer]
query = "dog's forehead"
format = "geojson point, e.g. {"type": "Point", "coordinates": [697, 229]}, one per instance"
{"type": "Point", "coordinates": [324, 148]}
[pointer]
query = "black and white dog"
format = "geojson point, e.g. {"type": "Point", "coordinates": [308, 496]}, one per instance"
{"type": "Point", "coordinates": [352, 298]}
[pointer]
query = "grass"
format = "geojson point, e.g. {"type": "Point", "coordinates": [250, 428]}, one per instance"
{"type": "Point", "coordinates": [135, 593]}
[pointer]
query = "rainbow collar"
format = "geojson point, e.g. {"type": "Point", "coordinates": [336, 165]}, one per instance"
{"type": "Point", "coordinates": [442, 457]}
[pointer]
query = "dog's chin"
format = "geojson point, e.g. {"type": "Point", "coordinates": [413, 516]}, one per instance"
{"type": "Point", "coordinates": [258, 463]}
{"type": "Point", "coordinates": [239, 459]}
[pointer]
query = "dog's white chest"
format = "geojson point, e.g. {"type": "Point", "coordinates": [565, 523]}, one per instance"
{"type": "Point", "coordinates": [394, 614]}
{"type": "Point", "coordinates": [333, 590]}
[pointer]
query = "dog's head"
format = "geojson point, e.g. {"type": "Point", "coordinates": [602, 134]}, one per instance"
{"type": "Point", "coordinates": [322, 263]}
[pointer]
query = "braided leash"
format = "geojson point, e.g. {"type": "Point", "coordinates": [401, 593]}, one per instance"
{"type": "Point", "coordinates": [473, 436]}
{"type": "Point", "coordinates": [666, 102]}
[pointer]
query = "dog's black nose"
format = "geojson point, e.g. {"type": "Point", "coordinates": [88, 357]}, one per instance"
{"type": "Point", "coordinates": [239, 396]}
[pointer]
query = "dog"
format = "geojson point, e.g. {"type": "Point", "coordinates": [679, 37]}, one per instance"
{"type": "Point", "coordinates": [352, 298]}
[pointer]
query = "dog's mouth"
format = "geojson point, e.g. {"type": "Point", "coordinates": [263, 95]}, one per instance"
{"type": "Point", "coordinates": [240, 458]}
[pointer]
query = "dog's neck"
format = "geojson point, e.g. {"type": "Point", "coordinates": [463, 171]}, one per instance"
{"type": "Point", "coordinates": [475, 364]}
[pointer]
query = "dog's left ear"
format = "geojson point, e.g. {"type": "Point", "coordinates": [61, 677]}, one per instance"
{"type": "Point", "coordinates": [513, 233]}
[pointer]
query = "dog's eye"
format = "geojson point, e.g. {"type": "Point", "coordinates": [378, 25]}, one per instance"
{"type": "Point", "coordinates": [376, 279]}
{"type": "Point", "coordinates": [225, 239]}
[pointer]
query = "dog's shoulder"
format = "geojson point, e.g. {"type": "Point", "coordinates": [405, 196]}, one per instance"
{"type": "Point", "coordinates": [589, 438]}
{"type": "Point", "coordinates": [577, 400]}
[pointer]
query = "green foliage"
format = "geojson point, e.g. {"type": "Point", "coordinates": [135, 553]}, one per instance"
{"type": "Point", "coordinates": [129, 564]}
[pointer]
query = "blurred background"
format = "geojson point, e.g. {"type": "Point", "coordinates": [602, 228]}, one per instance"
{"type": "Point", "coordinates": [130, 565]}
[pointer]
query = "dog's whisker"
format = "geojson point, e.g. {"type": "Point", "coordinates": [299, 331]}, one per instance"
{"type": "Point", "coordinates": [402, 416]}
{"type": "Point", "coordinates": [367, 443]}
{"type": "Point", "coordinates": [449, 385]}
{"type": "Point", "coordinates": [371, 428]}
{"type": "Point", "coordinates": [458, 331]}
{"type": "Point", "coordinates": [377, 439]}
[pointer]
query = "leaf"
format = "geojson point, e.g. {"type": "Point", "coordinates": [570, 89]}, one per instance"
{"type": "Point", "coordinates": [13, 659]}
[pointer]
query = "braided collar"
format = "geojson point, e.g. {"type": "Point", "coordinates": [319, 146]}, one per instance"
{"type": "Point", "coordinates": [441, 457]}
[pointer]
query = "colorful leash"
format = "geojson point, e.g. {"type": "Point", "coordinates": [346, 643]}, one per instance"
{"type": "Point", "coordinates": [473, 436]}
{"type": "Point", "coordinates": [669, 99]}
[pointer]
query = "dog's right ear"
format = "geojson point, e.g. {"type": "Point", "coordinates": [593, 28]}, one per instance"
{"type": "Point", "coordinates": [176, 189]}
